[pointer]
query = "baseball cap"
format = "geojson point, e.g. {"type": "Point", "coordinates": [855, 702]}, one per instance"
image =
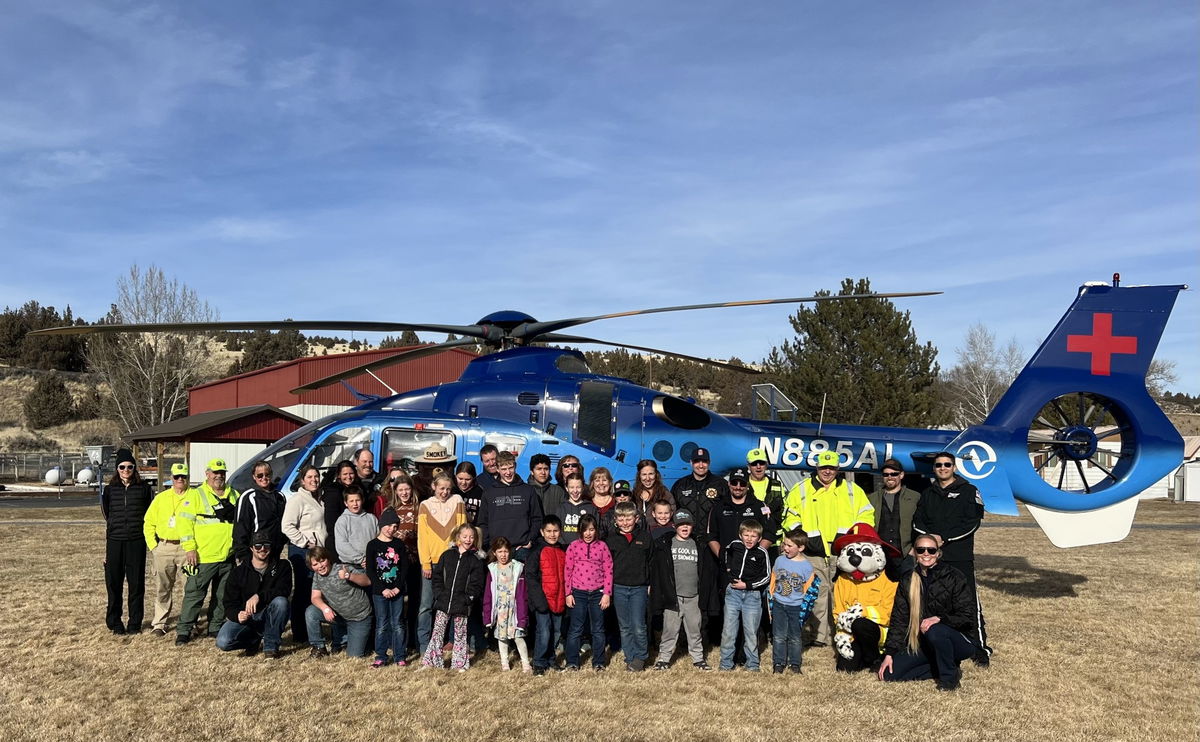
{"type": "Point", "coordinates": [756, 454]}
{"type": "Point", "coordinates": [261, 537]}
{"type": "Point", "coordinates": [739, 474]}
{"type": "Point", "coordinates": [701, 454]}
{"type": "Point", "coordinates": [217, 465]}
{"type": "Point", "coordinates": [179, 470]}
{"type": "Point", "coordinates": [621, 487]}
{"type": "Point", "coordinates": [682, 517]}
{"type": "Point", "coordinates": [828, 458]}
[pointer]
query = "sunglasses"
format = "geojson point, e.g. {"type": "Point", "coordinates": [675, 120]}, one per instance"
{"type": "Point", "coordinates": [892, 473]}
{"type": "Point", "coordinates": [260, 547]}
{"type": "Point", "coordinates": [179, 476]}
{"type": "Point", "coordinates": [925, 549]}
{"type": "Point", "coordinates": [262, 476]}
{"type": "Point", "coordinates": [125, 467]}
{"type": "Point", "coordinates": [570, 466]}
{"type": "Point", "coordinates": [941, 465]}
{"type": "Point", "coordinates": [758, 463]}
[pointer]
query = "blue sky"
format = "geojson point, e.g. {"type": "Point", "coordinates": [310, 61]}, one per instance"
{"type": "Point", "coordinates": [433, 162]}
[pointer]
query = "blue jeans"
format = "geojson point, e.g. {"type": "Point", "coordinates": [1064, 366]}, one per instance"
{"type": "Point", "coordinates": [630, 602]}
{"type": "Point", "coordinates": [787, 640]}
{"type": "Point", "coordinates": [352, 635]}
{"type": "Point", "coordinates": [549, 629]}
{"type": "Point", "coordinates": [390, 630]}
{"type": "Point", "coordinates": [425, 615]}
{"type": "Point", "coordinates": [266, 625]}
{"type": "Point", "coordinates": [745, 605]}
{"type": "Point", "coordinates": [587, 609]}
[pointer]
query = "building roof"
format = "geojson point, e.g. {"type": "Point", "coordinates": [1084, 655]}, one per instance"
{"type": "Point", "coordinates": [253, 424]}
{"type": "Point", "coordinates": [273, 385]}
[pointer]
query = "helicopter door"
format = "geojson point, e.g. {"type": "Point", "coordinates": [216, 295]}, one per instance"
{"type": "Point", "coordinates": [403, 446]}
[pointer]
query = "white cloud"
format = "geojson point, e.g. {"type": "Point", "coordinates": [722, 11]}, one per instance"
{"type": "Point", "coordinates": [67, 168]}
{"type": "Point", "coordinates": [241, 229]}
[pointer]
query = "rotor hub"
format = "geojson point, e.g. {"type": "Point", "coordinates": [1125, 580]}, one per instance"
{"type": "Point", "coordinates": [1081, 442]}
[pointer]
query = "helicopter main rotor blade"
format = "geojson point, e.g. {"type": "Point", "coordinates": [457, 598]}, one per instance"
{"type": "Point", "coordinates": [474, 331]}
{"type": "Point", "coordinates": [393, 360]}
{"type": "Point", "coordinates": [533, 329]}
{"type": "Point", "coordinates": [556, 338]}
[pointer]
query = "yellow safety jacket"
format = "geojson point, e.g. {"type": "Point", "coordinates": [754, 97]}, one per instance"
{"type": "Point", "coordinates": [162, 518]}
{"type": "Point", "coordinates": [825, 512]}
{"type": "Point", "coordinates": [200, 530]}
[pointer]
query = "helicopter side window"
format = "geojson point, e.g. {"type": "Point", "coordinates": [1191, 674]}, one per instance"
{"type": "Point", "coordinates": [594, 418]}
{"type": "Point", "coordinates": [514, 444]}
{"type": "Point", "coordinates": [404, 443]}
{"type": "Point", "coordinates": [339, 445]}
{"type": "Point", "coordinates": [676, 412]}
{"type": "Point", "coordinates": [282, 456]}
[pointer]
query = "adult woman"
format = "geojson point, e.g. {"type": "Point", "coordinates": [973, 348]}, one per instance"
{"type": "Point", "coordinates": [124, 503]}
{"type": "Point", "coordinates": [304, 527]}
{"type": "Point", "coordinates": [932, 612]}
{"type": "Point", "coordinates": [437, 519]}
{"type": "Point", "coordinates": [600, 489]}
{"type": "Point", "coordinates": [648, 488]}
{"type": "Point", "coordinates": [466, 487]}
{"type": "Point", "coordinates": [333, 494]}
{"type": "Point", "coordinates": [568, 464]}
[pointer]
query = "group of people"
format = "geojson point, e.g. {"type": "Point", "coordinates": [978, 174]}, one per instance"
{"type": "Point", "coordinates": [395, 562]}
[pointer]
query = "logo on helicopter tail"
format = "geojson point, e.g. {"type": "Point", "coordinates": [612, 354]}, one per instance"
{"type": "Point", "coordinates": [976, 460]}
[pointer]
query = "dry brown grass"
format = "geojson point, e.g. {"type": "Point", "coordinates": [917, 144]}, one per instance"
{"type": "Point", "coordinates": [1095, 643]}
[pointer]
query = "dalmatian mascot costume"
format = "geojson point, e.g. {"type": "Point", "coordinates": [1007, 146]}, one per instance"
{"type": "Point", "coordinates": [862, 597]}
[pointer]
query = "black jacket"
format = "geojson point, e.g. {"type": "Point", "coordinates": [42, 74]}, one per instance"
{"type": "Point", "coordinates": [751, 566]}
{"type": "Point", "coordinates": [513, 511]}
{"type": "Point", "coordinates": [258, 509]}
{"type": "Point", "coordinates": [472, 500]}
{"type": "Point", "coordinates": [333, 497]}
{"type": "Point", "coordinates": [697, 497]}
{"type": "Point", "coordinates": [662, 574]}
{"type": "Point", "coordinates": [124, 510]}
{"type": "Point", "coordinates": [725, 518]}
{"type": "Point", "coordinates": [457, 581]}
{"type": "Point", "coordinates": [631, 558]}
{"type": "Point", "coordinates": [944, 593]}
{"type": "Point", "coordinates": [954, 513]}
{"type": "Point", "coordinates": [550, 495]}
{"type": "Point", "coordinates": [245, 581]}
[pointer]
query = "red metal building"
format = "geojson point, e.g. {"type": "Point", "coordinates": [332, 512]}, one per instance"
{"type": "Point", "coordinates": [272, 385]}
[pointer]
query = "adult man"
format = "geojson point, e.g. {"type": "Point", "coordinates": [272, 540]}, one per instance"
{"type": "Point", "coordinates": [487, 459]}
{"type": "Point", "coordinates": [952, 509]}
{"type": "Point", "coordinates": [728, 512]}
{"type": "Point", "coordinates": [259, 508]}
{"type": "Point", "coordinates": [206, 536]}
{"type": "Point", "coordinates": [161, 529]}
{"type": "Point", "coordinates": [256, 599]}
{"type": "Point", "coordinates": [510, 508]}
{"type": "Point", "coordinates": [769, 490]}
{"type": "Point", "coordinates": [364, 471]}
{"type": "Point", "coordinates": [825, 506]}
{"type": "Point", "coordinates": [548, 492]}
{"type": "Point", "coordinates": [697, 491]}
{"type": "Point", "coordinates": [894, 506]}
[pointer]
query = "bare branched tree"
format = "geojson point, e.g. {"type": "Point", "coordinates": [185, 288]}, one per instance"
{"type": "Point", "coordinates": [983, 373]}
{"type": "Point", "coordinates": [150, 372]}
{"type": "Point", "coordinates": [1159, 375]}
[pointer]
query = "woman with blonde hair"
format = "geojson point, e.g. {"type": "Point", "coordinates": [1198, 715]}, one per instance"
{"type": "Point", "coordinates": [933, 613]}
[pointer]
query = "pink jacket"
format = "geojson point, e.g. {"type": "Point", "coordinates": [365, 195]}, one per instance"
{"type": "Point", "coordinates": [589, 567]}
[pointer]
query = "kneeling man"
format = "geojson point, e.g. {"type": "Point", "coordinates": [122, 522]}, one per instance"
{"type": "Point", "coordinates": [256, 600]}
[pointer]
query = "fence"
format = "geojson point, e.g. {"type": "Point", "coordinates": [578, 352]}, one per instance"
{"type": "Point", "coordinates": [32, 467]}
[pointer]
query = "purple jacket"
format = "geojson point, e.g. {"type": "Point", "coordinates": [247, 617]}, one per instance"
{"type": "Point", "coordinates": [489, 598]}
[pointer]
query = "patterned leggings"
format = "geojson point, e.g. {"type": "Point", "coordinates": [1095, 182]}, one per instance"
{"type": "Point", "coordinates": [433, 653]}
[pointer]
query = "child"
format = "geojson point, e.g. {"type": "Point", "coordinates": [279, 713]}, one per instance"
{"type": "Point", "coordinates": [438, 518]}
{"type": "Point", "coordinates": [354, 529]}
{"type": "Point", "coordinates": [504, 603]}
{"type": "Point", "coordinates": [608, 521]}
{"type": "Point", "coordinates": [387, 567]}
{"type": "Point", "coordinates": [457, 583]}
{"type": "Point", "coordinates": [574, 508]}
{"type": "Point", "coordinates": [660, 520]}
{"type": "Point", "coordinates": [545, 576]}
{"type": "Point", "coordinates": [792, 593]}
{"type": "Point", "coordinates": [588, 577]}
{"type": "Point", "coordinates": [675, 584]}
{"type": "Point", "coordinates": [630, 547]}
{"type": "Point", "coordinates": [337, 601]}
{"type": "Point", "coordinates": [747, 567]}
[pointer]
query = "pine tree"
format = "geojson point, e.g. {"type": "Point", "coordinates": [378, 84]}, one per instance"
{"type": "Point", "coordinates": [862, 357]}
{"type": "Point", "coordinates": [263, 348]}
{"type": "Point", "coordinates": [49, 403]}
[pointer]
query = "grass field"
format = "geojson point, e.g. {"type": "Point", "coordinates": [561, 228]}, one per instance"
{"type": "Point", "coordinates": [1095, 643]}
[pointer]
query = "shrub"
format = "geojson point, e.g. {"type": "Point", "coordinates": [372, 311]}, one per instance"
{"type": "Point", "coordinates": [49, 403]}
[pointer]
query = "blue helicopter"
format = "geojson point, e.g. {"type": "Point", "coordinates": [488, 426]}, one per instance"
{"type": "Point", "coordinates": [1080, 403]}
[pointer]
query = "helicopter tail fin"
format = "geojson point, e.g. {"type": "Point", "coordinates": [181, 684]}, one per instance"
{"type": "Point", "coordinates": [1080, 435]}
